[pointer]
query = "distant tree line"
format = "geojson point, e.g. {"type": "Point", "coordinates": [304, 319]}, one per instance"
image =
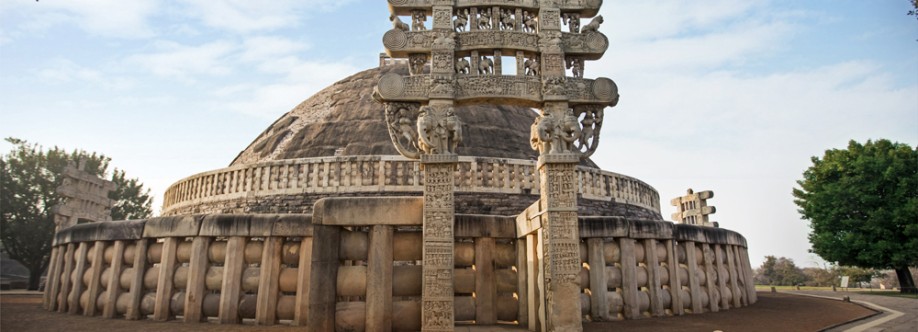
{"type": "Point", "coordinates": [781, 271]}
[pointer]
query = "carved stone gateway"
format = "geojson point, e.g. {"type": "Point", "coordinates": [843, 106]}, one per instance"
{"type": "Point", "coordinates": [466, 48]}
{"type": "Point", "coordinates": [85, 197]}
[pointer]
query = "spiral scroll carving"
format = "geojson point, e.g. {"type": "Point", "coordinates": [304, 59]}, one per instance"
{"type": "Point", "coordinates": [391, 85]}
{"type": "Point", "coordinates": [596, 41]}
{"type": "Point", "coordinates": [604, 89]}
{"type": "Point", "coordinates": [395, 39]}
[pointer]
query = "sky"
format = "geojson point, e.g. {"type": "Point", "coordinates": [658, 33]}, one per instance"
{"type": "Point", "coordinates": [733, 96]}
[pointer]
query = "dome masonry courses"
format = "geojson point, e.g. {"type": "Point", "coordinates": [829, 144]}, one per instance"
{"type": "Point", "coordinates": [441, 189]}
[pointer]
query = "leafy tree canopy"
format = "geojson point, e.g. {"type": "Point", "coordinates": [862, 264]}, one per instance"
{"type": "Point", "coordinates": [862, 205]}
{"type": "Point", "coordinates": [29, 177]}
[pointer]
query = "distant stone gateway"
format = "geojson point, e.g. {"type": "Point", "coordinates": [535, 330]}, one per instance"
{"type": "Point", "coordinates": [424, 194]}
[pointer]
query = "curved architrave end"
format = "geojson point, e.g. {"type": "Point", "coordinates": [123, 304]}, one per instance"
{"type": "Point", "coordinates": [400, 120]}
{"type": "Point", "coordinates": [592, 126]}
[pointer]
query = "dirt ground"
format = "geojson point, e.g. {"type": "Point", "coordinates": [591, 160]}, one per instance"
{"type": "Point", "coordinates": [773, 312]}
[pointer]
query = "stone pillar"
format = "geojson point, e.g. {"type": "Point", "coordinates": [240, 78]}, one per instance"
{"type": "Point", "coordinates": [140, 267]}
{"type": "Point", "coordinates": [46, 297]}
{"type": "Point", "coordinates": [66, 280]}
{"type": "Point", "coordinates": [520, 63]}
{"type": "Point", "coordinates": [691, 263]}
{"type": "Point", "coordinates": [165, 279]}
{"type": "Point", "coordinates": [599, 303]}
{"type": "Point", "coordinates": [560, 241]}
{"type": "Point", "coordinates": [197, 270]}
{"type": "Point", "coordinates": [52, 285]}
{"type": "Point", "coordinates": [522, 273]}
{"type": "Point", "coordinates": [732, 271]}
{"type": "Point", "coordinates": [485, 283]}
{"type": "Point", "coordinates": [379, 279]}
{"type": "Point", "coordinates": [80, 267]}
{"type": "Point", "coordinates": [232, 280]}
{"type": "Point", "coordinates": [437, 313]}
{"type": "Point", "coordinates": [498, 64]}
{"type": "Point", "coordinates": [98, 262]}
{"type": "Point", "coordinates": [675, 284]}
{"type": "Point", "coordinates": [653, 277]}
{"type": "Point", "coordinates": [304, 268]}
{"type": "Point", "coordinates": [268, 281]}
{"type": "Point", "coordinates": [113, 289]}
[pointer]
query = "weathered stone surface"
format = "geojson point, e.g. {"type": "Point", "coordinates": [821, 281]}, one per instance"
{"type": "Point", "coordinates": [331, 120]}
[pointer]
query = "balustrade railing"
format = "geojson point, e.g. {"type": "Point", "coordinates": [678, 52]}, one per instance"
{"type": "Point", "coordinates": [354, 174]}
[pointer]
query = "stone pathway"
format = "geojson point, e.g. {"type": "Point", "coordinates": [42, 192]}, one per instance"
{"type": "Point", "coordinates": [899, 314]}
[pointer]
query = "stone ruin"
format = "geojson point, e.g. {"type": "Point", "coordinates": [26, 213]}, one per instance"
{"type": "Point", "coordinates": [85, 197]}
{"type": "Point", "coordinates": [693, 208]}
{"type": "Point", "coordinates": [424, 194]}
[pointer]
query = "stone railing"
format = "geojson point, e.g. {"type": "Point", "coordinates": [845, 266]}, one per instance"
{"type": "Point", "coordinates": [391, 174]}
{"type": "Point", "coordinates": [357, 261]}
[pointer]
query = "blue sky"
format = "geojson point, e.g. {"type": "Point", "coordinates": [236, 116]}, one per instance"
{"type": "Point", "coordinates": [730, 96]}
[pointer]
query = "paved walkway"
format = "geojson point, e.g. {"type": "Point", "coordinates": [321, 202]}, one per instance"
{"type": "Point", "coordinates": [899, 314]}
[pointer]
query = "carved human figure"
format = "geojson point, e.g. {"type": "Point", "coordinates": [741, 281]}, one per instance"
{"type": "Point", "coordinates": [572, 20]}
{"type": "Point", "coordinates": [485, 66]}
{"type": "Point", "coordinates": [398, 24]}
{"type": "Point", "coordinates": [405, 128]}
{"type": "Point", "coordinates": [462, 66]}
{"type": "Point", "coordinates": [418, 17]}
{"type": "Point", "coordinates": [531, 66]}
{"type": "Point", "coordinates": [586, 131]}
{"type": "Point", "coordinates": [416, 63]}
{"type": "Point", "coordinates": [575, 64]}
{"type": "Point", "coordinates": [484, 19]}
{"type": "Point", "coordinates": [507, 22]}
{"type": "Point", "coordinates": [593, 26]}
{"type": "Point", "coordinates": [529, 22]}
{"type": "Point", "coordinates": [462, 18]}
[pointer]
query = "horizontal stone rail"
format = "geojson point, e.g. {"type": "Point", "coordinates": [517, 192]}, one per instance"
{"type": "Point", "coordinates": [390, 174]}
{"type": "Point", "coordinates": [584, 8]}
{"type": "Point", "coordinates": [522, 90]}
{"type": "Point", "coordinates": [399, 44]}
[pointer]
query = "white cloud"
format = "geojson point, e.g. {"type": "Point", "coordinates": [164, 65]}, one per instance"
{"type": "Point", "coordinates": [268, 48]}
{"type": "Point", "coordinates": [109, 18]}
{"type": "Point", "coordinates": [64, 71]}
{"type": "Point", "coordinates": [249, 16]}
{"type": "Point", "coordinates": [302, 80]}
{"type": "Point", "coordinates": [183, 62]}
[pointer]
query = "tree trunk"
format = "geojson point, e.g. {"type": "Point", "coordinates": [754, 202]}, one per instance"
{"type": "Point", "coordinates": [906, 283]}
{"type": "Point", "coordinates": [34, 278]}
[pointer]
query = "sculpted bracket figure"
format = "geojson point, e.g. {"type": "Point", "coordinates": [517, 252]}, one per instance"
{"type": "Point", "coordinates": [400, 118]}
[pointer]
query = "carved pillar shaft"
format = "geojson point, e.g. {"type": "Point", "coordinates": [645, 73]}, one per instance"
{"type": "Point", "coordinates": [437, 296]}
{"type": "Point", "coordinates": [561, 242]}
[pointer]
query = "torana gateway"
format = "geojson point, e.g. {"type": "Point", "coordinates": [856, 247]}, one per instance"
{"type": "Point", "coordinates": [421, 195]}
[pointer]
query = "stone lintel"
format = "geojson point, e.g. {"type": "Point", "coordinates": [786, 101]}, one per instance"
{"type": "Point", "coordinates": [529, 221]}
{"type": "Point", "coordinates": [475, 225]}
{"type": "Point", "coordinates": [178, 226]}
{"type": "Point", "coordinates": [101, 231]}
{"type": "Point", "coordinates": [651, 229]}
{"type": "Point", "coordinates": [344, 211]}
{"type": "Point", "coordinates": [603, 227]}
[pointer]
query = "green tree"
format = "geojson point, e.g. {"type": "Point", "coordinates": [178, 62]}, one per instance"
{"type": "Point", "coordinates": [862, 205]}
{"type": "Point", "coordinates": [779, 272]}
{"type": "Point", "coordinates": [29, 177]}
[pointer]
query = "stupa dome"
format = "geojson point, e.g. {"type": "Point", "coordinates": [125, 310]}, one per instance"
{"type": "Point", "coordinates": [344, 118]}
